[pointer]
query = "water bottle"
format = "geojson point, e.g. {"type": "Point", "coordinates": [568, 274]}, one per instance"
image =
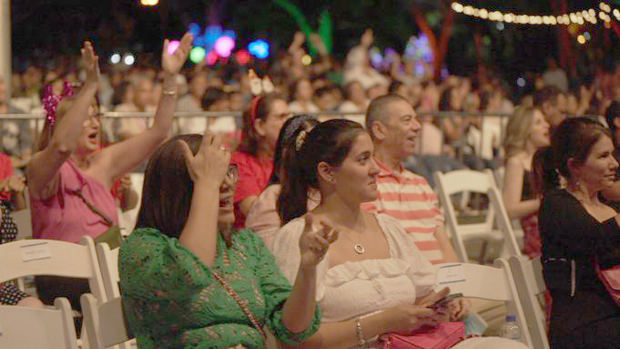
{"type": "Point", "coordinates": [510, 329]}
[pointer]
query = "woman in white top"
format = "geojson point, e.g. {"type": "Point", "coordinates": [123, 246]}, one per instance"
{"type": "Point", "coordinates": [373, 279]}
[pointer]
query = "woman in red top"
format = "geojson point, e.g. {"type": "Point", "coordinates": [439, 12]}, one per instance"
{"type": "Point", "coordinates": [254, 158]}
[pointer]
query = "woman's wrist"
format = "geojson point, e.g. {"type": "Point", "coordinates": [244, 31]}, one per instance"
{"type": "Point", "coordinates": [169, 82]}
{"type": "Point", "coordinates": [207, 186]}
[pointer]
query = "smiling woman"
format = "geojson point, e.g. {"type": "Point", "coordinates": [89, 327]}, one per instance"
{"type": "Point", "coordinates": [580, 234]}
{"type": "Point", "coordinates": [188, 280]}
{"type": "Point", "coordinates": [70, 177]}
{"type": "Point", "coordinates": [373, 279]}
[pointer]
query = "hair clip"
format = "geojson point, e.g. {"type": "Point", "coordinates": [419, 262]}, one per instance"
{"type": "Point", "coordinates": [301, 138]}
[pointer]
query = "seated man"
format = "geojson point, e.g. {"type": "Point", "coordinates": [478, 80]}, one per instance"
{"type": "Point", "coordinates": [393, 126]}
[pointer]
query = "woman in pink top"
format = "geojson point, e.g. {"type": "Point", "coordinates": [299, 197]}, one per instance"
{"type": "Point", "coordinates": [70, 168]}
{"type": "Point", "coordinates": [261, 126]}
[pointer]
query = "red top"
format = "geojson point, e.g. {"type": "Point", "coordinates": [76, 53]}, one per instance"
{"type": "Point", "coordinates": [254, 173]}
{"type": "Point", "coordinates": [6, 171]}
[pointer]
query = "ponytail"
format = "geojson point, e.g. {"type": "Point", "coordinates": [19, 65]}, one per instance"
{"type": "Point", "coordinates": [328, 142]}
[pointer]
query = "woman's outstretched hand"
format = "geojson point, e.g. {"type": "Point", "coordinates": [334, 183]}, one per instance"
{"type": "Point", "coordinates": [172, 63]}
{"type": "Point", "coordinates": [313, 243]}
{"type": "Point", "coordinates": [90, 60]}
{"type": "Point", "coordinates": [210, 164]}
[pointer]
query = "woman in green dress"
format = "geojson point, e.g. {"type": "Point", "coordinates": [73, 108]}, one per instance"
{"type": "Point", "coordinates": [188, 280]}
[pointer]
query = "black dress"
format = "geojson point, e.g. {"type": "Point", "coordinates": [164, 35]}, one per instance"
{"type": "Point", "coordinates": [583, 315]}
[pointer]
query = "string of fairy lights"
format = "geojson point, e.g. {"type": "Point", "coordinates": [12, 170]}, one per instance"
{"type": "Point", "coordinates": [604, 13]}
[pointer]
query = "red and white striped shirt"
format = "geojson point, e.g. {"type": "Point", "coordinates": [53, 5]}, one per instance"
{"type": "Point", "coordinates": [409, 198]}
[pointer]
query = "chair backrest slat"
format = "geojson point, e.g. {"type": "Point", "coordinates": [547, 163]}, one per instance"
{"type": "Point", "coordinates": [464, 182]}
{"type": "Point", "coordinates": [24, 327]}
{"type": "Point", "coordinates": [530, 285]}
{"type": "Point", "coordinates": [105, 323]}
{"type": "Point", "coordinates": [52, 257]}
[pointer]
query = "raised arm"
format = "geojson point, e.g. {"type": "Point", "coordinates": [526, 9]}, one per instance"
{"type": "Point", "coordinates": [44, 165]}
{"type": "Point", "coordinates": [121, 157]}
{"type": "Point", "coordinates": [207, 169]}
{"type": "Point", "coordinates": [513, 186]}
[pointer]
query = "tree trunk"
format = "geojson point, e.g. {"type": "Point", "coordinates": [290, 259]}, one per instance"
{"type": "Point", "coordinates": [440, 48]}
{"type": "Point", "coordinates": [565, 48]}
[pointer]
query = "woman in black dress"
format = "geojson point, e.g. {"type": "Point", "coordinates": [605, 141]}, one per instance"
{"type": "Point", "coordinates": [578, 230]}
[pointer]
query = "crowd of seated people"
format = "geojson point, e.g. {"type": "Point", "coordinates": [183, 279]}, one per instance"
{"type": "Point", "coordinates": [325, 232]}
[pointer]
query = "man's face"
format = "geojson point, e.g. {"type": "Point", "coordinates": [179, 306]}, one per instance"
{"type": "Point", "coordinates": [402, 126]}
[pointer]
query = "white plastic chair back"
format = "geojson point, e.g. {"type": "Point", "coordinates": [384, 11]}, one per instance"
{"type": "Point", "coordinates": [466, 181]}
{"type": "Point", "coordinates": [108, 262]}
{"type": "Point", "coordinates": [50, 328]}
{"type": "Point", "coordinates": [105, 323]}
{"type": "Point", "coordinates": [493, 283]}
{"type": "Point", "coordinates": [528, 277]}
{"type": "Point", "coordinates": [503, 222]}
{"type": "Point", "coordinates": [54, 258]}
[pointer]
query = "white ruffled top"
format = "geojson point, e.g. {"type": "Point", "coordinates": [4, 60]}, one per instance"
{"type": "Point", "coordinates": [355, 289]}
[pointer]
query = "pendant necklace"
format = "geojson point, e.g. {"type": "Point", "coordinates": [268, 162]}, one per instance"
{"type": "Point", "coordinates": [357, 247]}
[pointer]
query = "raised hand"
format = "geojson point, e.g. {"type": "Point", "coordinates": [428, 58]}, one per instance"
{"type": "Point", "coordinates": [90, 60]}
{"type": "Point", "coordinates": [172, 64]}
{"type": "Point", "coordinates": [210, 164]}
{"type": "Point", "coordinates": [313, 243]}
{"type": "Point", "coordinates": [367, 38]}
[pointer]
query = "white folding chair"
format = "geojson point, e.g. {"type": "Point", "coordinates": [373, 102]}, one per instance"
{"type": "Point", "coordinates": [104, 322]}
{"type": "Point", "coordinates": [25, 327]}
{"type": "Point", "coordinates": [108, 262]}
{"type": "Point", "coordinates": [493, 283]}
{"type": "Point", "coordinates": [463, 182]}
{"type": "Point", "coordinates": [503, 222]}
{"type": "Point", "coordinates": [54, 258]}
{"type": "Point", "coordinates": [528, 277]}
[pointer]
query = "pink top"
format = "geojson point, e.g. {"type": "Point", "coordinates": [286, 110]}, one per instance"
{"type": "Point", "coordinates": [254, 174]}
{"type": "Point", "coordinates": [65, 216]}
{"type": "Point", "coordinates": [6, 171]}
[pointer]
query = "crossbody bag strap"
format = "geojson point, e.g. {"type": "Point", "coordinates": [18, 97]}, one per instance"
{"type": "Point", "coordinates": [95, 210]}
{"type": "Point", "coordinates": [241, 303]}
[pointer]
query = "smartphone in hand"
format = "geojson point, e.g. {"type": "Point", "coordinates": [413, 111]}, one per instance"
{"type": "Point", "coordinates": [443, 302]}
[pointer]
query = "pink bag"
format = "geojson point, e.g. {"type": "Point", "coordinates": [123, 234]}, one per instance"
{"type": "Point", "coordinates": [611, 279]}
{"type": "Point", "coordinates": [444, 336]}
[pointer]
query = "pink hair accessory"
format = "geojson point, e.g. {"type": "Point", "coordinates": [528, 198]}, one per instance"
{"type": "Point", "coordinates": [254, 108]}
{"type": "Point", "coordinates": [51, 101]}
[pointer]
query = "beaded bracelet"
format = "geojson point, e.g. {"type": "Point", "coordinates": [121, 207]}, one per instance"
{"type": "Point", "coordinates": [360, 334]}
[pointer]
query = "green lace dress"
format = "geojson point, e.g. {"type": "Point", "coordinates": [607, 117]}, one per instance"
{"type": "Point", "coordinates": [172, 300]}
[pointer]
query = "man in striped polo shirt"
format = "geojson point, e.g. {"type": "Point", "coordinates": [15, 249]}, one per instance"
{"type": "Point", "coordinates": [393, 127]}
